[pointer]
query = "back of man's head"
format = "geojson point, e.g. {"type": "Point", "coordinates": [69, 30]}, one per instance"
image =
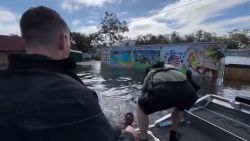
{"type": "Point", "coordinates": [41, 25]}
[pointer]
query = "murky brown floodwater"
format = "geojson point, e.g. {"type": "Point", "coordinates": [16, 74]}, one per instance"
{"type": "Point", "coordinates": [116, 86]}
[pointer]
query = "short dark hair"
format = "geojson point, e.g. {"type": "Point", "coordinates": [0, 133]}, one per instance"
{"type": "Point", "coordinates": [41, 25]}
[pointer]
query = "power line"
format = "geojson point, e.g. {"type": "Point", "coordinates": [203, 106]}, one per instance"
{"type": "Point", "coordinates": [166, 11]}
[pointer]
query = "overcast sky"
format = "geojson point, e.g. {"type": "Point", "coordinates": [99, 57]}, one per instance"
{"type": "Point", "coordinates": [218, 16]}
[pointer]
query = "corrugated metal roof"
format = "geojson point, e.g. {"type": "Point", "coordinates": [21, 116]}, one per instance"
{"type": "Point", "coordinates": [237, 60]}
{"type": "Point", "coordinates": [11, 44]}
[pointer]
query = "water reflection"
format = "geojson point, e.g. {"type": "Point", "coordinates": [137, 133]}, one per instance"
{"type": "Point", "coordinates": [122, 82]}
{"type": "Point", "coordinates": [116, 86]}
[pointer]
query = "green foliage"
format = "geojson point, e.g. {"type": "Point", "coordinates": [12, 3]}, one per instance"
{"type": "Point", "coordinates": [203, 36]}
{"type": "Point", "coordinates": [240, 37]}
{"type": "Point", "coordinates": [175, 37]}
{"type": "Point", "coordinates": [150, 39]}
{"type": "Point", "coordinates": [189, 38]}
{"type": "Point", "coordinates": [235, 39]}
{"type": "Point", "coordinates": [111, 28]}
{"type": "Point", "coordinates": [80, 41]}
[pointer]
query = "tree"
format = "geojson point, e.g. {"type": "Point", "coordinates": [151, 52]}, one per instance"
{"type": "Point", "coordinates": [147, 39]}
{"type": "Point", "coordinates": [111, 28]}
{"type": "Point", "coordinates": [189, 38]}
{"type": "Point", "coordinates": [80, 41]}
{"type": "Point", "coordinates": [232, 45]}
{"type": "Point", "coordinates": [163, 39]}
{"type": "Point", "coordinates": [140, 40]}
{"type": "Point", "coordinates": [203, 36]}
{"type": "Point", "coordinates": [153, 40]}
{"type": "Point", "coordinates": [207, 37]}
{"type": "Point", "coordinates": [150, 39]}
{"type": "Point", "coordinates": [240, 37]}
{"type": "Point", "coordinates": [175, 37]}
{"type": "Point", "coordinates": [199, 35]}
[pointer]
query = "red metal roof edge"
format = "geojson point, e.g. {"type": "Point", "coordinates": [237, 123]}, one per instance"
{"type": "Point", "coordinates": [12, 43]}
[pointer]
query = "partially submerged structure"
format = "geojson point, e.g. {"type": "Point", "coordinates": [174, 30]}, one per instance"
{"type": "Point", "coordinates": [10, 45]}
{"type": "Point", "coordinates": [15, 45]}
{"type": "Point", "coordinates": [201, 58]}
{"type": "Point", "coordinates": [76, 55]}
{"type": "Point", "coordinates": [237, 65]}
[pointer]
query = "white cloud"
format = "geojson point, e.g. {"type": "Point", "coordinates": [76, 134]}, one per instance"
{"type": "Point", "coordinates": [147, 26]}
{"type": "Point", "coordinates": [9, 22]}
{"type": "Point", "coordinates": [189, 19]}
{"type": "Point", "coordinates": [74, 5]}
{"type": "Point", "coordinates": [7, 16]}
{"type": "Point", "coordinates": [87, 29]}
{"type": "Point", "coordinates": [227, 25]}
{"type": "Point", "coordinates": [69, 5]}
{"type": "Point", "coordinates": [124, 13]}
{"type": "Point", "coordinates": [76, 22]}
{"type": "Point", "coordinates": [91, 22]}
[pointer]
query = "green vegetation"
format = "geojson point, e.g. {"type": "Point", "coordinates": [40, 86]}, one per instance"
{"type": "Point", "coordinates": [235, 39]}
{"type": "Point", "coordinates": [111, 30]}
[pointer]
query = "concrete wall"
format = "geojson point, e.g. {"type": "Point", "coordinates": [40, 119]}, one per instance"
{"type": "Point", "coordinates": [237, 73]}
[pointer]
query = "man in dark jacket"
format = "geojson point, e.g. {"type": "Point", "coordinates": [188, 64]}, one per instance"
{"type": "Point", "coordinates": [41, 98]}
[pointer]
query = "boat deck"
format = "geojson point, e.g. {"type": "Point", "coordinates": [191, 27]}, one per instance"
{"type": "Point", "coordinates": [188, 132]}
{"type": "Point", "coordinates": [212, 123]}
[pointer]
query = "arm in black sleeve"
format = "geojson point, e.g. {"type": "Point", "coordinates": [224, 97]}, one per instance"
{"type": "Point", "coordinates": [77, 116]}
{"type": "Point", "coordinates": [196, 86]}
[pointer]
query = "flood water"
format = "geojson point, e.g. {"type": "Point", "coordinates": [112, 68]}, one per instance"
{"type": "Point", "coordinates": [116, 87]}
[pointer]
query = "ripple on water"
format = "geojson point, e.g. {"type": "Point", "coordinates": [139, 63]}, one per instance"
{"type": "Point", "coordinates": [115, 86]}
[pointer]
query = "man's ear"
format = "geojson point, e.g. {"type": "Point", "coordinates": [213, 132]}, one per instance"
{"type": "Point", "coordinates": [62, 41]}
{"type": "Point", "coordinates": [67, 40]}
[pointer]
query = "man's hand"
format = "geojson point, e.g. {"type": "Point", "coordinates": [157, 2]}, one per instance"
{"type": "Point", "coordinates": [132, 130]}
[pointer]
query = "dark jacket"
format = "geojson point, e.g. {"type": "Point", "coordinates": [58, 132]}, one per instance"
{"type": "Point", "coordinates": [44, 100]}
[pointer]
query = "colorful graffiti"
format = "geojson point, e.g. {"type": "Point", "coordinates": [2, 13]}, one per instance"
{"type": "Point", "coordinates": [176, 57]}
{"type": "Point", "coordinates": [135, 58]}
{"type": "Point", "coordinates": [148, 57]}
{"type": "Point", "coordinates": [121, 57]}
{"type": "Point", "coordinates": [201, 58]}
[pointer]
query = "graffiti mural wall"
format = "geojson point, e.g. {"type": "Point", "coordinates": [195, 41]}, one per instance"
{"type": "Point", "coordinates": [176, 57]}
{"type": "Point", "coordinates": [105, 56]}
{"type": "Point", "coordinates": [135, 57]}
{"type": "Point", "coordinates": [146, 57]}
{"type": "Point", "coordinates": [121, 57]}
{"type": "Point", "coordinates": [201, 58]}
